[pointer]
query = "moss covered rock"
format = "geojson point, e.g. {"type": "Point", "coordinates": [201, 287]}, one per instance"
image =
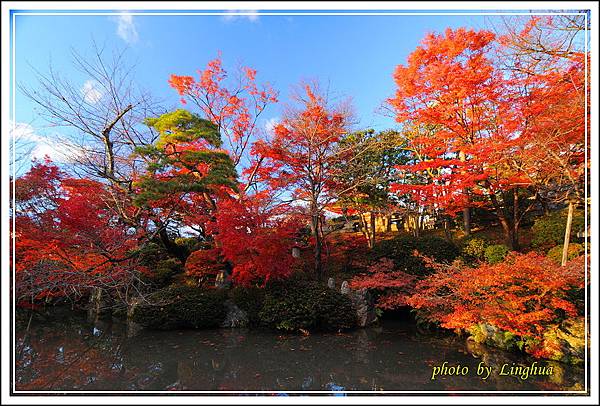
{"type": "Point", "coordinates": [250, 300]}
{"type": "Point", "coordinates": [235, 317]}
{"type": "Point", "coordinates": [488, 334]}
{"type": "Point", "coordinates": [564, 342]}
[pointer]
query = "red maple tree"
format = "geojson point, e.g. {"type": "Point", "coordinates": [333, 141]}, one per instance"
{"type": "Point", "coordinates": [256, 238]}
{"type": "Point", "coordinates": [68, 238]}
{"type": "Point", "coordinates": [300, 158]}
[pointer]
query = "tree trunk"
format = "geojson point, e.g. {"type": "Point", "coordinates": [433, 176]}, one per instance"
{"type": "Point", "coordinates": [210, 201]}
{"type": "Point", "coordinates": [368, 228]}
{"type": "Point", "coordinates": [417, 223]}
{"type": "Point", "coordinates": [515, 222]}
{"type": "Point", "coordinates": [109, 170]}
{"type": "Point", "coordinates": [447, 229]}
{"type": "Point", "coordinates": [372, 231]}
{"type": "Point", "coordinates": [316, 231]}
{"type": "Point", "coordinates": [94, 305]}
{"type": "Point", "coordinates": [467, 220]}
{"type": "Point", "coordinates": [565, 253]}
{"type": "Point", "coordinates": [364, 227]}
{"type": "Point", "coordinates": [544, 204]}
{"type": "Point", "coordinates": [509, 236]}
{"type": "Point", "coordinates": [505, 222]}
{"type": "Point", "coordinates": [388, 223]}
{"type": "Point", "coordinates": [170, 246]}
{"type": "Point", "coordinates": [466, 210]}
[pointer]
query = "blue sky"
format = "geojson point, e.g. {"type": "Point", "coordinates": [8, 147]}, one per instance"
{"type": "Point", "coordinates": [354, 55]}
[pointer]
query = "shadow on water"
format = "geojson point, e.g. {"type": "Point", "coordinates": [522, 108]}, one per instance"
{"type": "Point", "coordinates": [67, 353]}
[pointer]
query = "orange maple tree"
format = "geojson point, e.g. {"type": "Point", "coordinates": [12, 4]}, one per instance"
{"type": "Point", "coordinates": [234, 105]}
{"type": "Point", "coordinates": [479, 131]}
{"type": "Point", "coordinates": [523, 295]}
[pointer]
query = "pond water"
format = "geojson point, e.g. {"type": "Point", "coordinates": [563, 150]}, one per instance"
{"type": "Point", "coordinates": [69, 354]}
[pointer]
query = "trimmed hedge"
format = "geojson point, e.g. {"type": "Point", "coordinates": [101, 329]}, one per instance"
{"type": "Point", "coordinates": [400, 250]}
{"type": "Point", "coordinates": [549, 230]}
{"type": "Point", "coordinates": [473, 249]}
{"type": "Point", "coordinates": [573, 251]}
{"type": "Point", "coordinates": [250, 300]}
{"type": "Point", "coordinates": [306, 305]}
{"type": "Point", "coordinates": [165, 271]}
{"type": "Point", "coordinates": [188, 244]}
{"type": "Point", "coordinates": [182, 307]}
{"type": "Point", "coordinates": [162, 268]}
{"type": "Point", "coordinates": [494, 254]}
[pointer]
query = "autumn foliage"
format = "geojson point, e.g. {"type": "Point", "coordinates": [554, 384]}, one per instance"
{"type": "Point", "coordinates": [256, 239]}
{"type": "Point", "coordinates": [484, 125]}
{"type": "Point", "coordinates": [394, 286]}
{"type": "Point", "coordinates": [232, 103]}
{"type": "Point", "coordinates": [204, 265]}
{"type": "Point", "coordinates": [452, 94]}
{"type": "Point", "coordinates": [523, 295]}
{"type": "Point", "coordinates": [495, 123]}
{"type": "Point", "coordinates": [303, 145]}
{"type": "Point", "coordinates": [68, 240]}
{"type": "Point", "coordinates": [301, 157]}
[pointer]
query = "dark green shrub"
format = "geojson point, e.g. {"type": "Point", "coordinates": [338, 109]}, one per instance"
{"type": "Point", "coordinates": [250, 300]}
{"type": "Point", "coordinates": [549, 230]}
{"type": "Point", "coordinates": [308, 306]}
{"type": "Point", "coordinates": [164, 271]}
{"type": "Point", "coordinates": [334, 311]}
{"type": "Point", "coordinates": [473, 249]}
{"type": "Point", "coordinates": [151, 252]}
{"type": "Point", "coordinates": [188, 244]}
{"type": "Point", "coordinates": [400, 250]}
{"type": "Point", "coordinates": [291, 313]}
{"type": "Point", "coordinates": [494, 254]}
{"type": "Point", "coordinates": [161, 268]}
{"type": "Point", "coordinates": [182, 307]}
{"type": "Point", "coordinates": [573, 251]}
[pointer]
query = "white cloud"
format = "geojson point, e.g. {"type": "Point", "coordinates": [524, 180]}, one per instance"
{"type": "Point", "coordinates": [23, 132]}
{"type": "Point", "coordinates": [43, 150]}
{"type": "Point", "coordinates": [270, 125]}
{"type": "Point", "coordinates": [233, 15]}
{"type": "Point", "coordinates": [27, 140]}
{"type": "Point", "coordinates": [126, 28]}
{"type": "Point", "coordinates": [91, 91]}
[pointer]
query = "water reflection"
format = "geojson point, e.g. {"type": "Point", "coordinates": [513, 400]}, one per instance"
{"type": "Point", "coordinates": [69, 354]}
